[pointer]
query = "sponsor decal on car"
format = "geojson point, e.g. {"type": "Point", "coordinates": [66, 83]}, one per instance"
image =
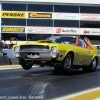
{"type": "Point", "coordinates": [40, 15]}
{"type": "Point", "coordinates": [13, 29]}
{"type": "Point", "coordinates": [66, 30]}
{"type": "Point", "coordinates": [13, 15]}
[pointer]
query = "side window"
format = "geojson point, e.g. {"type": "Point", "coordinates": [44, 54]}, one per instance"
{"type": "Point", "coordinates": [66, 8]}
{"type": "Point", "coordinates": [73, 41]}
{"type": "Point", "coordinates": [13, 22]}
{"type": "Point", "coordinates": [13, 7]}
{"type": "Point", "coordinates": [81, 43]}
{"type": "Point", "coordinates": [40, 7]}
{"type": "Point", "coordinates": [66, 23]}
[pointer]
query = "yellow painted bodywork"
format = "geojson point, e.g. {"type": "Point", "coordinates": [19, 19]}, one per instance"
{"type": "Point", "coordinates": [81, 55]}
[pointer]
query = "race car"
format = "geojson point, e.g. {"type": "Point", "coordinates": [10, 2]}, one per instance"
{"type": "Point", "coordinates": [62, 52]}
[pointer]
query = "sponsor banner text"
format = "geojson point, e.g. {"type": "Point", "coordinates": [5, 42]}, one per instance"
{"type": "Point", "coordinates": [68, 16]}
{"type": "Point", "coordinates": [90, 31]}
{"type": "Point", "coordinates": [39, 30]}
{"type": "Point", "coordinates": [90, 17]}
{"type": "Point", "coordinates": [66, 30]}
{"type": "Point", "coordinates": [39, 15]}
{"type": "Point", "coordinates": [13, 15]}
{"type": "Point", "coordinates": [13, 29]}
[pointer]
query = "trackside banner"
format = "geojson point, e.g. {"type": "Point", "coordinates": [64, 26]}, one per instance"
{"type": "Point", "coordinates": [39, 15]}
{"type": "Point", "coordinates": [44, 30]}
{"type": "Point", "coordinates": [61, 30]}
{"type": "Point", "coordinates": [13, 15]}
{"type": "Point", "coordinates": [13, 29]}
{"type": "Point", "coordinates": [90, 31]}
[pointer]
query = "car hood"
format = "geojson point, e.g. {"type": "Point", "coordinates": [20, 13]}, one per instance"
{"type": "Point", "coordinates": [41, 42]}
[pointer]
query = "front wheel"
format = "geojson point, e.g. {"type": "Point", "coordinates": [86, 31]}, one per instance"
{"type": "Point", "coordinates": [25, 64]}
{"type": "Point", "coordinates": [92, 67]}
{"type": "Point", "coordinates": [67, 63]}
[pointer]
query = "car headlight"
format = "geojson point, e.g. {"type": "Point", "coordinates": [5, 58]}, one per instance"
{"type": "Point", "coordinates": [54, 49]}
{"type": "Point", "coordinates": [16, 49]}
{"type": "Point", "coordinates": [54, 52]}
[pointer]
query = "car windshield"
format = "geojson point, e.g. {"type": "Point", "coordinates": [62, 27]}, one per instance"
{"type": "Point", "coordinates": [66, 40]}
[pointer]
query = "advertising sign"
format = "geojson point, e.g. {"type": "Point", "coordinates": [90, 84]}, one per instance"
{"type": "Point", "coordinates": [13, 15]}
{"type": "Point", "coordinates": [0, 21]}
{"type": "Point", "coordinates": [66, 31]}
{"type": "Point", "coordinates": [90, 17]}
{"type": "Point", "coordinates": [39, 30]}
{"type": "Point", "coordinates": [39, 15]}
{"type": "Point", "coordinates": [67, 16]}
{"type": "Point", "coordinates": [0, 9]}
{"type": "Point", "coordinates": [13, 29]}
{"type": "Point", "coordinates": [90, 31]}
{"type": "Point", "coordinates": [0, 33]}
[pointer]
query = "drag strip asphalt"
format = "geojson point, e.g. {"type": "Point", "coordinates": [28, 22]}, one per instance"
{"type": "Point", "coordinates": [44, 83]}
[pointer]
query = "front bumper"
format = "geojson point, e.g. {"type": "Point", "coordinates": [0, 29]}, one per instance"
{"type": "Point", "coordinates": [35, 54]}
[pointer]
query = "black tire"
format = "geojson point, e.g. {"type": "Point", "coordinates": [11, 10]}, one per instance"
{"type": "Point", "coordinates": [92, 67]}
{"type": "Point", "coordinates": [58, 68]}
{"type": "Point", "coordinates": [25, 64]}
{"type": "Point", "coordinates": [67, 63]}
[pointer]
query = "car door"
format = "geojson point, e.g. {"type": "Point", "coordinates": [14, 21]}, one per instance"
{"type": "Point", "coordinates": [84, 54]}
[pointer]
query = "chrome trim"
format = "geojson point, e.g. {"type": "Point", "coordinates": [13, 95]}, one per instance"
{"type": "Point", "coordinates": [36, 51]}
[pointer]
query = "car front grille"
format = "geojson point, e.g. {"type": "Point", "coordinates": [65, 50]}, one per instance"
{"type": "Point", "coordinates": [34, 47]}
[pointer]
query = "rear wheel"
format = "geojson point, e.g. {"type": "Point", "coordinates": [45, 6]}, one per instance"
{"type": "Point", "coordinates": [25, 64]}
{"type": "Point", "coordinates": [67, 63]}
{"type": "Point", "coordinates": [92, 67]}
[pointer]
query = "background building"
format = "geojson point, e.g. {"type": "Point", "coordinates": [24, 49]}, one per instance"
{"type": "Point", "coordinates": [33, 20]}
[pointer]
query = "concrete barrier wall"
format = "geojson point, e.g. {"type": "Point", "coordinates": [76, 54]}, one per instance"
{"type": "Point", "coordinates": [11, 56]}
{"type": "Point", "coordinates": [4, 60]}
{"type": "Point", "coordinates": [10, 53]}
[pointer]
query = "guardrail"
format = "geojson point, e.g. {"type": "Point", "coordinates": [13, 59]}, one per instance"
{"type": "Point", "coordinates": [4, 59]}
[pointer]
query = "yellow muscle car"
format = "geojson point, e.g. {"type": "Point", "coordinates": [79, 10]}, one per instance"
{"type": "Point", "coordinates": [61, 52]}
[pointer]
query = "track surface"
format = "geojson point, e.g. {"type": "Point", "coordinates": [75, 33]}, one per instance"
{"type": "Point", "coordinates": [44, 83]}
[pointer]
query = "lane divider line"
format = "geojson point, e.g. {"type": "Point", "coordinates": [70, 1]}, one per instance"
{"type": "Point", "coordinates": [5, 67]}
{"type": "Point", "coordinates": [77, 94]}
{"type": "Point", "coordinates": [8, 68]}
